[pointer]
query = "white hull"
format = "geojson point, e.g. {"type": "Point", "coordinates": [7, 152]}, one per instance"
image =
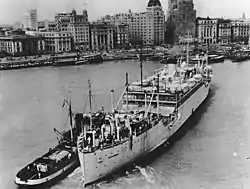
{"type": "Point", "coordinates": [34, 182]}
{"type": "Point", "coordinates": [103, 162]}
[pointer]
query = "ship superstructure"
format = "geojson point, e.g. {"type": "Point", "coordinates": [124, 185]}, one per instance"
{"type": "Point", "coordinates": [152, 111]}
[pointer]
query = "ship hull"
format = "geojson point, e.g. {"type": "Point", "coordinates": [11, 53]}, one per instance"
{"type": "Point", "coordinates": [97, 165]}
{"type": "Point", "coordinates": [216, 60]}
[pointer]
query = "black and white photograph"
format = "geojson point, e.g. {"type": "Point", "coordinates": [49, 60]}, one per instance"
{"type": "Point", "coordinates": [124, 94]}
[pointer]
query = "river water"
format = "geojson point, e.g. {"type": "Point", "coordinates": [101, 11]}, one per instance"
{"type": "Point", "coordinates": [211, 150]}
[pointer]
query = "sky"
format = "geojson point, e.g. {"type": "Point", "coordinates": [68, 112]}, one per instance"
{"type": "Point", "coordinates": [13, 10]}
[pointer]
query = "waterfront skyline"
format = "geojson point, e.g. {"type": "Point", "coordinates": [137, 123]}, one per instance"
{"type": "Point", "coordinates": [97, 8]}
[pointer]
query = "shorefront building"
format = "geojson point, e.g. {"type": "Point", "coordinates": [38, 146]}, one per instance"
{"type": "Point", "coordinates": [77, 25]}
{"type": "Point", "coordinates": [224, 31]}
{"type": "Point", "coordinates": [121, 35]}
{"type": "Point", "coordinates": [240, 30]}
{"type": "Point", "coordinates": [102, 36]}
{"type": "Point", "coordinates": [144, 28]}
{"type": "Point", "coordinates": [207, 30]}
{"type": "Point", "coordinates": [55, 42]}
{"type": "Point", "coordinates": [21, 45]}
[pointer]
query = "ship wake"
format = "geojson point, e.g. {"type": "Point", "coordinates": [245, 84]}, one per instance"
{"type": "Point", "coordinates": [155, 178]}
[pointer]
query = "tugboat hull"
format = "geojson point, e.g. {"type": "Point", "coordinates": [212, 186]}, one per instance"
{"type": "Point", "coordinates": [49, 179]}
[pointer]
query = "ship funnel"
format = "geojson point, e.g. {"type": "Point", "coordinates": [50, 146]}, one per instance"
{"type": "Point", "coordinates": [172, 62]}
{"type": "Point", "coordinates": [78, 122]}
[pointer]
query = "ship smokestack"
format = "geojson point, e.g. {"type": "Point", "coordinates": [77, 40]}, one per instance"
{"type": "Point", "coordinates": [172, 62]}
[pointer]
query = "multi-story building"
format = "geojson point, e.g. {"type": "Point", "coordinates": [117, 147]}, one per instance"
{"type": "Point", "coordinates": [224, 31]}
{"type": "Point", "coordinates": [77, 25]}
{"type": "Point", "coordinates": [41, 25]}
{"type": "Point", "coordinates": [47, 25]}
{"type": "Point", "coordinates": [146, 27]}
{"type": "Point", "coordinates": [79, 28]}
{"type": "Point", "coordinates": [240, 30]}
{"type": "Point", "coordinates": [155, 23]}
{"type": "Point", "coordinates": [124, 18]}
{"type": "Point", "coordinates": [55, 41]}
{"type": "Point", "coordinates": [207, 30]}
{"type": "Point", "coordinates": [181, 20]}
{"type": "Point", "coordinates": [17, 43]}
{"type": "Point", "coordinates": [62, 21]}
{"type": "Point", "coordinates": [102, 36]}
{"type": "Point", "coordinates": [30, 20]}
{"type": "Point", "coordinates": [121, 35]}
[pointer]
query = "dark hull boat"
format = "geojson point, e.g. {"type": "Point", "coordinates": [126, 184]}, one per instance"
{"type": "Point", "coordinates": [238, 59]}
{"type": "Point", "coordinates": [94, 59]}
{"type": "Point", "coordinates": [81, 62]}
{"type": "Point", "coordinates": [69, 62]}
{"type": "Point", "coordinates": [215, 59]}
{"type": "Point", "coordinates": [59, 161]}
{"type": "Point", "coordinates": [48, 167]}
{"type": "Point", "coordinates": [154, 58]}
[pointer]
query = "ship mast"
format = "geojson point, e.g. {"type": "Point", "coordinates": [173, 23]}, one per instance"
{"type": "Point", "coordinates": [188, 49]}
{"type": "Point", "coordinates": [112, 100]}
{"type": "Point", "coordinates": [90, 104]}
{"type": "Point", "coordinates": [127, 92]}
{"type": "Point", "coordinates": [207, 53]}
{"type": "Point", "coordinates": [158, 90]}
{"type": "Point", "coordinates": [141, 65]}
{"type": "Point", "coordinates": [70, 116]}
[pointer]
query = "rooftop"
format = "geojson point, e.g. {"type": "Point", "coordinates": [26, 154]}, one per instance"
{"type": "Point", "coordinates": [19, 37]}
{"type": "Point", "coordinates": [153, 3]}
{"type": "Point", "coordinates": [206, 18]}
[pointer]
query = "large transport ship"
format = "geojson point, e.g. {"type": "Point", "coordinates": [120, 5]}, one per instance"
{"type": "Point", "coordinates": [150, 112]}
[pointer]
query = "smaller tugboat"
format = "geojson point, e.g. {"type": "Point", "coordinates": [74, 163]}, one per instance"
{"type": "Point", "coordinates": [58, 161]}
{"type": "Point", "coordinates": [51, 165]}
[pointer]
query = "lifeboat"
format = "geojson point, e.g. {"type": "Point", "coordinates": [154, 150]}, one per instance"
{"type": "Point", "coordinates": [191, 82]}
{"type": "Point", "coordinates": [197, 77]}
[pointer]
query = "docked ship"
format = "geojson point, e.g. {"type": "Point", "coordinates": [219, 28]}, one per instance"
{"type": "Point", "coordinates": [213, 58]}
{"type": "Point", "coordinates": [58, 162]}
{"type": "Point", "coordinates": [81, 61]}
{"type": "Point", "coordinates": [94, 58]}
{"type": "Point", "coordinates": [147, 114]}
{"type": "Point", "coordinates": [66, 62]}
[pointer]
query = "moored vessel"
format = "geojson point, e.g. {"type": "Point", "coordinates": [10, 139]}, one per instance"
{"type": "Point", "coordinates": [94, 58]}
{"type": "Point", "coordinates": [66, 62]}
{"type": "Point", "coordinates": [81, 61]}
{"type": "Point", "coordinates": [215, 58]}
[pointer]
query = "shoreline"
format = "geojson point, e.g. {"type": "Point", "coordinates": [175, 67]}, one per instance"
{"type": "Point", "coordinates": [31, 63]}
